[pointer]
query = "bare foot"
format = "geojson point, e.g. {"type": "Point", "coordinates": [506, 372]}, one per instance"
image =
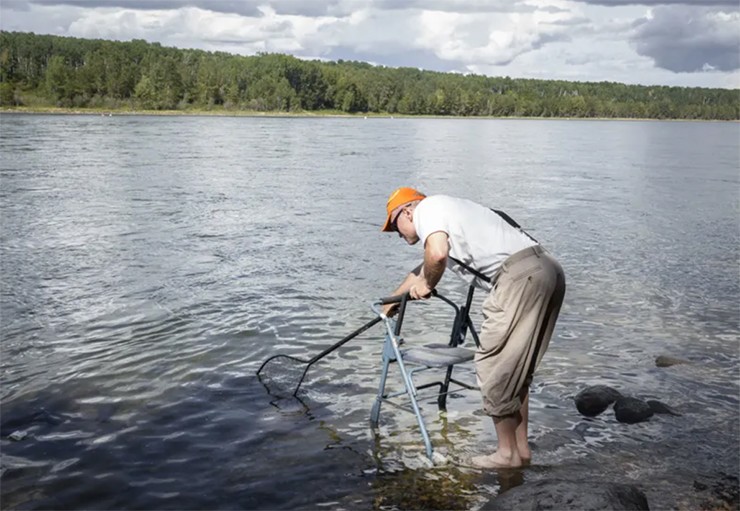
{"type": "Point", "coordinates": [497, 460]}
{"type": "Point", "coordinates": [525, 455]}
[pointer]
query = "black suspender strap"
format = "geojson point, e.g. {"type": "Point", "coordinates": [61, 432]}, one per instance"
{"type": "Point", "coordinates": [509, 221]}
{"type": "Point", "coordinates": [471, 270]}
{"type": "Point", "coordinates": [513, 223]}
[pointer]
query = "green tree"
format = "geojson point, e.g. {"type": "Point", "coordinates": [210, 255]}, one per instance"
{"type": "Point", "coordinates": [146, 93]}
{"type": "Point", "coordinates": [7, 94]}
{"type": "Point", "coordinates": [57, 78]}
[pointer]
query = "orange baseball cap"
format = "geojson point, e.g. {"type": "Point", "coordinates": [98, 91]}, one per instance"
{"type": "Point", "coordinates": [401, 196]}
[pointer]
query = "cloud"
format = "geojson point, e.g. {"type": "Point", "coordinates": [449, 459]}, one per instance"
{"type": "Point", "coordinates": [701, 3]}
{"type": "Point", "coordinates": [16, 5]}
{"type": "Point", "coordinates": [249, 8]}
{"type": "Point", "coordinates": [312, 8]}
{"type": "Point", "coordinates": [182, 27]}
{"type": "Point", "coordinates": [451, 6]}
{"type": "Point", "coordinates": [475, 41]}
{"type": "Point", "coordinates": [689, 39]}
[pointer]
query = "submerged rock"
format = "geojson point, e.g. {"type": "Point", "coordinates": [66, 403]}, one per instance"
{"type": "Point", "coordinates": [567, 495]}
{"type": "Point", "coordinates": [12, 423]}
{"type": "Point", "coordinates": [632, 410]}
{"type": "Point", "coordinates": [666, 361]}
{"type": "Point", "coordinates": [591, 401]}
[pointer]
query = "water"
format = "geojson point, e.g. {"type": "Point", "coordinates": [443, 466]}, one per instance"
{"type": "Point", "coordinates": [150, 264]}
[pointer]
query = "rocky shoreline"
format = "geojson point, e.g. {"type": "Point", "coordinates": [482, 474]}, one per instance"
{"type": "Point", "coordinates": [712, 492]}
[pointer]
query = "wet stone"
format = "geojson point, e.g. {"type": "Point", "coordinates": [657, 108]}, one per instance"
{"type": "Point", "coordinates": [18, 435]}
{"type": "Point", "coordinates": [563, 495]}
{"type": "Point", "coordinates": [593, 400]}
{"type": "Point", "coordinates": [666, 361]}
{"type": "Point", "coordinates": [632, 410]}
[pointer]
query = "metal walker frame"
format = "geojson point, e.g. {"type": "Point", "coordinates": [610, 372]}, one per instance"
{"type": "Point", "coordinates": [417, 359]}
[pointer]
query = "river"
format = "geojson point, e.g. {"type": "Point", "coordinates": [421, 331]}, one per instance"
{"type": "Point", "coordinates": [150, 264]}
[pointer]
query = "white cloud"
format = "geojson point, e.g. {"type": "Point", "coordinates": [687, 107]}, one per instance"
{"type": "Point", "coordinates": [689, 39]}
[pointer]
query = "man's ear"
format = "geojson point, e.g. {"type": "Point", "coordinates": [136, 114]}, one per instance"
{"type": "Point", "coordinates": [410, 211]}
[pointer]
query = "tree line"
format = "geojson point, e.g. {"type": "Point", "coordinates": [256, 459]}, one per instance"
{"type": "Point", "coordinates": [45, 70]}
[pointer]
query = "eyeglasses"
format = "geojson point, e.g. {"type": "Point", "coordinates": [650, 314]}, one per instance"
{"type": "Point", "coordinates": [394, 222]}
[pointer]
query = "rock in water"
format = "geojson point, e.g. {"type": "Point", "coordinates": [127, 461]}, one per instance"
{"type": "Point", "coordinates": [658, 407]}
{"type": "Point", "coordinates": [564, 495]}
{"type": "Point", "coordinates": [591, 401]}
{"type": "Point", "coordinates": [632, 410]}
{"type": "Point", "coordinates": [18, 435]}
{"type": "Point", "coordinates": [665, 361]}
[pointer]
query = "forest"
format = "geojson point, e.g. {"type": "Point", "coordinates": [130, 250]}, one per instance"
{"type": "Point", "coordinates": [39, 71]}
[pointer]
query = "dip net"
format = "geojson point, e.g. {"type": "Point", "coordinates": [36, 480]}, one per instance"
{"type": "Point", "coordinates": [282, 375]}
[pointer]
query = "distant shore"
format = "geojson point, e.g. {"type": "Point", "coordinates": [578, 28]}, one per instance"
{"type": "Point", "coordinates": [316, 114]}
{"type": "Point", "coordinates": [194, 112]}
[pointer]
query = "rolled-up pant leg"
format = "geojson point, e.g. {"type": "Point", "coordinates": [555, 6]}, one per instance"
{"type": "Point", "coordinates": [519, 318]}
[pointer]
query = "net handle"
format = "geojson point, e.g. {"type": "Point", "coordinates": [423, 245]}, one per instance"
{"type": "Point", "coordinates": [346, 339]}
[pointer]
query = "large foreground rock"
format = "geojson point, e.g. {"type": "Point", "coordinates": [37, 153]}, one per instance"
{"type": "Point", "coordinates": [632, 410]}
{"type": "Point", "coordinates": [567, 495]}
{"type": "Point", "coordinates": [593, 400]}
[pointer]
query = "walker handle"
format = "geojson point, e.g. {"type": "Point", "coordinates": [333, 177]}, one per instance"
{"type": "Point", "coordinates": [393, 299]}
{"type": "Point", "coordinates": [399, 298]}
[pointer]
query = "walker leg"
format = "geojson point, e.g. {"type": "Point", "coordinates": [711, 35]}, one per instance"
{"type": "Point", "coordinates": [420, 420]}
{"type": "Point", "coordinates": [444, 387]}
{"type": "Point", "coordinates": [411, 391]}
{"type": "Point", "coordinates": [375, 412]}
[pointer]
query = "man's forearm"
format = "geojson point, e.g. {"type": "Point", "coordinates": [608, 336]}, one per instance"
{"type": "Point", "coordinates": [433, 269]}
{"type": "Point", "coordinates": [436, 249]}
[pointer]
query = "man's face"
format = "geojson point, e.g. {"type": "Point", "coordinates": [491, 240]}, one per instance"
{"type": "Point", "coordinates": [403, 223]}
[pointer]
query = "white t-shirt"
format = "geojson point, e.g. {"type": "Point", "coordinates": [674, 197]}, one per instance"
{"type": "Point", "coordinates": [477, 236]}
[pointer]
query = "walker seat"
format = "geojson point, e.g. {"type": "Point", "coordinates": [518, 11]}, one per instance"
{"type": "Point", "coordinates": [437, 355]}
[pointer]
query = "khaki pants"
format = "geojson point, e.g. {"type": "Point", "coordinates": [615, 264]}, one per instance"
{"type": "Point", "coordinates": [519, 316]}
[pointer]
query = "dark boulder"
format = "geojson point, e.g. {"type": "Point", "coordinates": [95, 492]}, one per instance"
{"type": "Point", "coordinates": [567, 495]}
{"type": "Point", "coordinates": [658, 407]}
{"type": "Point", "coordinates": [632, 410]}
{"type": "Point", "coordinates": [591, 401]}
{"type": "Point", "coordinates": [666, 361]}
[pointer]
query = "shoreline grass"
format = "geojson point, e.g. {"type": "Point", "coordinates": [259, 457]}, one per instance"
{"type": "Point", "coordinates": [222, 112]}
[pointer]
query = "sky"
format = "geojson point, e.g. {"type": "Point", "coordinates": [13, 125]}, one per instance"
{"type": "Point", "coordinates": [689, 43]}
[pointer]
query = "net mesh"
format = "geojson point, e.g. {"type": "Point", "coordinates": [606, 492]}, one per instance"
{"type": "Point", "coordinates": [282, 375]}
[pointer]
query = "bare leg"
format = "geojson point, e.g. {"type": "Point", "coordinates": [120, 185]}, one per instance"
{"type": "Point", "coordinates": [507, 453]}
{"type": "Point", "coordinates": [522, 442]}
